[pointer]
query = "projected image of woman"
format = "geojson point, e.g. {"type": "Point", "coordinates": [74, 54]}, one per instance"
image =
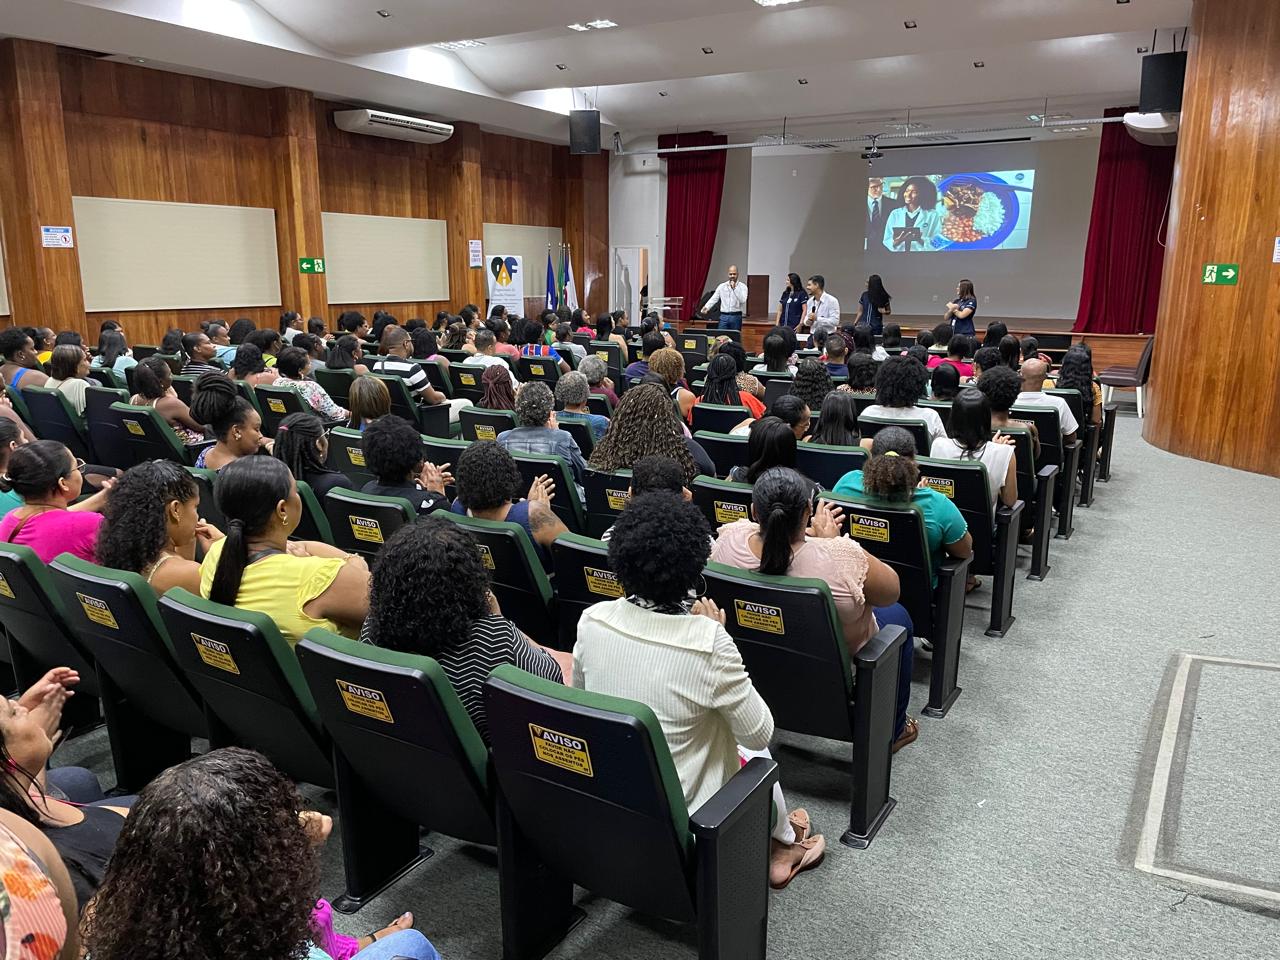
{"type": "Point", "coordinates": [912, 226]}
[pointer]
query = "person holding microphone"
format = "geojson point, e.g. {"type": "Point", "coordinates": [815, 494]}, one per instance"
{"type": "Point", "coordinates": [732, 297]}
{"type": "Point", "coordinates": [822, 311]}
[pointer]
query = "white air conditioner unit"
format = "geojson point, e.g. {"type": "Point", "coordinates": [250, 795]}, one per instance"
{"type": "Point", "coordinates": [1153, 129]}
{"type": "Point", "coordinates": [394, 126]}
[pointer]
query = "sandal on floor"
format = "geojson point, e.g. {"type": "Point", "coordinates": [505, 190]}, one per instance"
{"type": "Point", "coordinates": [799, 820]}
{"type": "Point", "coordinates": [909, 735]}
{"type": "Point", "coordinates": [972, 584]}
{"type": "Point", "coordinates": [815, 848]}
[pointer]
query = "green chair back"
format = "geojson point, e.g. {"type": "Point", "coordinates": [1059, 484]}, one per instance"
{"type": "Point", "coordinates": [584, 578]}
{"type": "Point", "coordinates": [313, 525]}
{"type": "Point", "coordinates": [362, 522]}
{"type": "Point", "coordinates": [184, 386]}
{"type": "Point", "coordinates": [430, 420]}
{"type": "Point", "coordinates": [276, 403]}
{"type": "Point", "coordinates": [543, 369]}
{"type": "Point", "coordinates": [150, 436]}
{"type": "Point", "coordinates": [825, 465]}
{"type": "Point", "coordinates": [607, 496]}
{"type": "Point", "coordinates": [722, 501]}
{"type": "Point", "coordinates": [565, 501]}
{"type": "Point", "coordinates": [346, 456]}
{"type": "Point", "coordinates": [31, 611]}
{"type": "Point", "coordinates": [718, 417]}
{"type": "Point", "coordinates": [480, 424]}
{"type": "Point", "coordinates": [466, 380]}
{"type": "Point", "coordinates": [726, 450]}
{"type": "Point", "coordinates": [964, 483]}
{"type": "Point", "coordinates": [438, 376]}
{"type": "Point", "coordinates": [53, 418]}
{"type": "Point", "coordinates": [106, 428]}
{"type": "Point", "coordinates": [919, 430]}
{"type": "Point", "coordinates": [207, 482]}
{"type": "Point", "coordinates": [336, 383]}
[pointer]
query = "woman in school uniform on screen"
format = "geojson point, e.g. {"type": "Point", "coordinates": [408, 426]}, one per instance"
{"type": "Point", "coordinates": [913, 225]}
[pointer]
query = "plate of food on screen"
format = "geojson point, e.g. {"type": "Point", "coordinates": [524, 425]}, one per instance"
{"type": "Point", "coordinates": [979, 211]}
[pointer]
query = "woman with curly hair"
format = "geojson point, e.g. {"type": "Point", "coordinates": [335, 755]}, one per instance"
{"type": "Point", "coordinates": [912, 226]}
{"type": "Point", "coordinates": [813, 383]}
{"type": "Point", "coordinates": [151, 525]}
{"type": "Point", "coordinates": [497, 392]}
{"type": "Point", "coordinates": [667, 366]}
{"type": "Point", "coordinates": [488, 484]}
{"type": "Point", "coordinates": [900, 383]}
{"type": "Point", "coordinates": [250, 366]}
{"type": "Point", "coordinates": [459, 337]}
{"type": "Point", "coordinates": [662, 646]}
{"type": "Point", "coordinates": [219, 860]}
{"type": "Point", "coordinates": [1077, 374]}
{"type": "Point", "coordinates": [645, 424]}
{"type": "Point", "coordinates": [862, 374]}
{"type": "Point", "coordinates": [463, 628]}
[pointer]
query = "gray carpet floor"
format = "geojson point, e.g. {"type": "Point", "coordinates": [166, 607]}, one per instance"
{"type": "Point", "coordinates": [1018, 814]}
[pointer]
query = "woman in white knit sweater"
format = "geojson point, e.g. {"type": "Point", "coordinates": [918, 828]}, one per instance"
{"type": "Point", "coordinates": [666, 648]}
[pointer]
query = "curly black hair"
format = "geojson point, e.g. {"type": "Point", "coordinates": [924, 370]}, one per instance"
{"type": "Point", "coordinates": [813, 382]}
{"type": "Point", "coordinates": [212, 862]}
{"type": "Point", "coordinates": [486, 476]}
{"type": "Point", "coordinates": [987, 358]}
{"type": "Point", "coordinates": [659, 546]}
{"type": "Point", "coordinates": [240, 329]}
{"type": "Point", "coordinates": [900, 382]}
{"type": "Point", "coordinates": [133, 531]}
{"type": "Point", "coordinates": [392, 449]}
{"type": "Point", "coordinates": [1001, 386]}
{"type": "Point", "coordinates": [268, 341]}
{"type": "Point", "coordinates": [12, 340]}
{"type": "Point", "coordinates": [891, 472]}
{"type": "Point", "coordinates": [862, 372]}
{"type": "Point", "coordinates": [433, 557]}
{"type": "Point", "coordinates": [248, 361]}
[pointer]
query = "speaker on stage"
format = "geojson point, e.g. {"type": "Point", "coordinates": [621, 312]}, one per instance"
{"type": "Point", "coordinates": [584, 132]}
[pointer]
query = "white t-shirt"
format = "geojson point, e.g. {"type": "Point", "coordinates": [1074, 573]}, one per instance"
{"type": "Point", "coordinates": [995, 456]}
{"type": "Point", "coordinates": [927, 414]}
{"type": "Point", "coordinates": [488, 360]}
{"type": "Point", "coordinates": [1038, 398]}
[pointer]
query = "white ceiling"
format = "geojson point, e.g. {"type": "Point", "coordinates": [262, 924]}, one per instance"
{"type": "Point", "coordinates": [864, 69]}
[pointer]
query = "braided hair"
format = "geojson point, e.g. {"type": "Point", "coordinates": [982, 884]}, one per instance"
{"type": "Point", "coordinates": [644, 424]}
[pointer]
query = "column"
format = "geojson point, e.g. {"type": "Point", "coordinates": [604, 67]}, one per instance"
{"type": "Point", "coordinates": [586, 227]}
{"type": "Point", "coordinates": [299, 228]}
{"type": "Point", "coordinates": [1213, 387]}
{"type": "Point", "coordinates": [457, 197]}
{"type": "Point", "coordinates": [35, 190]}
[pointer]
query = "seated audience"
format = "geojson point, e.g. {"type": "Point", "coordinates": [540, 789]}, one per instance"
{"type": "Point", "coordinates": [381, 320]}
{"type": "Point", "coordinates": [996, 331]}
{"type": "Point", "coordinates": [200, 351]}
{"type": "Point", "coordinates": [153, 380]}
{"type": "Point", "coordinates": [1001, 387]}
{"type": "Point", "coordinates": [49, 480]}
{"type": "Point", "coordinates": [236, 424]}
{"type": "Point", "coordinates": [573, 392]}
{"type": "Point", "coordinates": [604, 331]}
{"type": "Point", "coordinates": [838, 421]}
{"type": "Point", "coordinates": [770, 443]}
{"type": "Point", "coordinates": [721, 387]}
{"type": "Point", "coordinates": [985, 358]}
{"type": "Point", "coordinates": [650, 344]}
{"type": "Point", "coordinates": [864, 341]}
{"type": "Point", "coordinates": [151, 525]}
{"type": "Point", "coordinates": [862, 374]}
{"type": "Point", "coordinates": [1033, 374]}
{"type": "Point", "coordinates": [731, 348]}
{"type": "Point", "coordinates": [899, 384]}
{"type": "Point", "coordinates": [654, 475]}
{"type": "Point", "coordinates": [661, 647]}
{"type": "Point", "coordinates": [11, 438]}
{"type": "Point", "coordinates": [535, 345]}
{"type": "Point", "coordinates": [226, 815]}
{"type": "Point", "coordinates": [489, 484]}
{"type": "Point", "coordinates": [501, 330]}
{"type": "Point", "coordinates": [463, 628]}
{"type": "Point", "coordinates": [1030, 348]}
{"type": "Point", "coordinates": [596, 371]}
{"type": "Point", "coordinates": [314, 347]}
{"type": "Point", "coordinates": [347, 353]}
{"type": "Point", "coordinates": [789, 535]}
{"type": "Point", "coordinates": [302, 445]}
{"type": "Point", "coordinates": [536, 430]}
{"type": "Point", "coordinates": [299, 584]}
{"type": "Point", "coordinates": [45, 340]}
{"type": "Point", "coordinates": [240, 329]}
{"type": "Point", "coordinates": [645, 424]}
{"type": "Point", "coordinates": [486, 355]}
{"type": "Point", "coordinates": [971, 439]}
{"type": "Point", "coordinates": [396, 350]}
{"type": "Point", "coordinates": [666, 367]}
{"type": "Point", "coordinates": [269, 342]}
{"type": "Point", "coordinates": [353, 322]}
{"type": "Point", "coordinates": [778, 351]}
{"type": "Point", "coordinates": [316, 327]}
{"type": "Point", "coordinates": [458, 336]}
{"type": "Point", "coordinates": [944, 384]}
{"type": "Point", "coordinates": [21, 368]}
{"type": "Point", "coordinates": [113, 353]}
{"type": "Point", "coordinates": [837, 352]}
{"type": "Point", "coordinates": [1010, 352]}
{"type": "Point", "coordinates": [565, 345]}
{"type": "Point", "coordinates": [891, 476]}
{"type": "Point", "coordinates": [794, 412]}
{"type": "Point", "coordinates": [291, 324]}
{"type": "Point", "coordinates": [368, 399]}
{"type": "Point", "coordinates": [958, 347]}
{"type": "Point", "coordinates": [496, 386]}
{"type": "Point", "coordinates": [942, 334]}
{"type": "Point", "coordinates": [892, 339]}
{"type": "Point", "coordinates": [924, 340]}
{"type": "Point", "coordinates": [69, 372]}
{"type": "Point", "coordinates": [251, 368]}
{"type": "Point", "coordinates": [812, 383]}
{"type": "Point", "coordinates": [393, 454]}
{"type": "Point", "coordinates": [1077, 374]}
{"type": "Point", "coordinates": [293, 367]}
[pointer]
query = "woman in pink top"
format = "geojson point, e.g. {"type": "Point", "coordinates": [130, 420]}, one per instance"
{"type": "Point", "coordinates": [49, 479]}
{"type": "Point", "coordinates": [788, 535]}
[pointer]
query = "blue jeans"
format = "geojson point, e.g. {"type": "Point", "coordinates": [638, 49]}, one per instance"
{"type": "Point", "coordinates": [730, 321]}
{"type": "Point", "coordinates": [77, 784]}
{"type": "Point", "coordinates": [896, 615]}
{"type": "Point", "coordinates": [409, 944]}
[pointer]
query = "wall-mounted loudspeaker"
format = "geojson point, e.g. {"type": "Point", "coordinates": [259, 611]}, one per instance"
{"type": "Point", "coordinates": [1161, 90]}
{"type": "Point", "coordinates": [584, 131]}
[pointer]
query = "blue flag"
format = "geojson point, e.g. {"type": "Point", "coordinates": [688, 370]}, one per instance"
{"type": "Point", "coordinates": [553, 300]}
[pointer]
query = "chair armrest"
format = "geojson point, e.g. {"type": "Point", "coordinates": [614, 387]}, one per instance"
{"type": "Point", "coordinates": [881, 649]}
{"type": "Point", "coordinates": [1010, 516]}
{"type": "Point", "coordinates": [751, 785]}
{"type": "Point", "coordinates": [953, 567]}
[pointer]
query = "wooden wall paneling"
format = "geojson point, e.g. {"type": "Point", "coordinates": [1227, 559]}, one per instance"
{"type": "Point", "coordinates": [1208, 399]}
{"type": "Point", "coordinates": [299, 231]}
{"type": "Point", "coordinates": [457, 197]}
{"type": "Point", "coordinates": [586, 205]}
{"type": "Point", "coordinates": [35, 188]}
{"type": "Point", "coordinates": [150, 326]}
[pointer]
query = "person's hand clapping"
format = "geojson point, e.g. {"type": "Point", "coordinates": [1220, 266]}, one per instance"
{"type": "Point", "coordinates": [706, 607]}
{"type": "Point", "coordinates": [827, 521]}
{"type": "Point", "coordinates": [435, 478]}
{"type": "Point", "coordinates": [45, 699]}
{"type": "Point", "coordinates": [543, 488]}
{"type": "Point", "coordinates": [1004, 439]}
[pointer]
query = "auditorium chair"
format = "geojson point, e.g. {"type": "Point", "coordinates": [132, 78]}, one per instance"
{"type": "Point", "coordinates": [607, 496]}
{"type": "Point", "coordinates": [362, 522]}
{"type": "Point", "coordinates": [1109, 412]}
{"type": "Point", "coordinates": [406, 757]}
{"type": "Point", "coordinates": [346, 456]}
{"type": "Point", "coordinates": [717, 417]}
{"type": "Point", "coordinates": [776, 387]}
{"type": "Point", "coordinates": [726, 450]}
{"type": "Point", "coordinates": [599, 405]}
{"type": "Point", "coordinates": [788, 627]}
{"type": "Point", "coordinates": [251, 684]}
{"type": "Point", "coordinates": [109, 441]}
{"type": "Point", "coordinates": [467, 383]}
{"type": "Point", "coordinates": [1134, 378]}
{"type": "Point", "coordinates": [313, 524]}
{"type": "Point", "coordinates": [540, 369]}
{"type": "Point", "coordinates": [107, 378]}
{"type": "Point", "coordinates": [438, 375]}
{"type": "Point", "coordinates": [151, 438]}
{"type": "Point", "coordinates": [1090, 437]}
{"type": "Point", "coordinates": [602, 764]}
{"type": "Point", "coordinates": [565, 502]}
{"type": "Point", "coordinates": [721, 501]}
{"type": "Point", "coordinates": [453, 356]}
{"type": "Point", "coordinates": [207, 501]}
{"type": "Point", "coordinates": [175, 361]}
{"type": "Point", "coordinates": [53, 418]}
{"type": "Point", "coordinates": [516, 575]}
{"type": "Point", "coordinates": [151, 709]}
{"type": "Point", "coordinates": [1055, 452]}
{"type": "Point", "coordinates": [480, 424]}
{"type": "Point", "coordinates": [143, 350]}
{"type": "Point", "coordinates": [336, 383]}
{"type": "Point", "coordinates": [895, 534]}
{"type": "Point", "coordinates": [869, 426]}
{"type": "Point", "coordinates": [18, 403]}
{"type": "Point", "coordinates": [995, 532]}
{"type": "Point", "coordinates": [942, 408]}
{"type": "Point", "coordinates": [184, 385]}
{"type": "Point", "coordinates": [825, 464]}
{"type": "Point", "coordinates": [580, 430]}
{"type": "Point", "coordinates": [583, 577]}
{"type": "Point", "coordinates": [613, 358]}
{"type": "Point", "coordinates": [429, 419]}
{"type": "Point", "coordinates": [1036, 483]}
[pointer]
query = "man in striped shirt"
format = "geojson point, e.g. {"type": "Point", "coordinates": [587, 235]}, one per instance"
{"type": "Point", "coordinates": [397, 349]}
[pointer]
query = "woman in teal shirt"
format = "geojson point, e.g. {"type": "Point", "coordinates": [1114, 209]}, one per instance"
{"type": "Point", "coordinates": [10, 439]}
{"type": "Point", "coordinates": [891, 474]}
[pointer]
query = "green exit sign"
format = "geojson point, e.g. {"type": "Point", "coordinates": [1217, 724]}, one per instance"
{"type": "Point", "coordinates": [1221, 274]}
{"type": "Point", "coordinates": [311, 265]}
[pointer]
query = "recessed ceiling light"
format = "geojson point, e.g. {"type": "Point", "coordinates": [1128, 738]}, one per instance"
{"type": "Point", "coordinates": [979, 64]}
{"type": "Point", "coordinates": [385, 14]}
{"type": "Point", "coordinates": [909, 24]}
{"type": "Point", "coordinates": [662, 93]}
{"type": "Point", "coordinates": [775, 3]}
{"type": "Point", "coordinates": [601, 24]}
{"type": "Point", "coordinates": [802, 81]}
{"type": "Point", "coordinates": [707, 50]}
{"type": "Point", "coordinates": [581, 27]}
{"type": "Point", "coordinates": [138, 59]}
{"type": "Point", "coordinates": [562, 66]}
{"type": "Point", "coordinates": [1144, 49]}
{"type": "Point", "coordinates": [459, 44]}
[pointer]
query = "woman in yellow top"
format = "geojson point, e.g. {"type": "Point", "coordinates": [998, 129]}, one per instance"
{"type": "Point", "coordinates": [299, 585]}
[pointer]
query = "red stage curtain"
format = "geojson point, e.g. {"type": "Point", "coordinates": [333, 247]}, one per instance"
{"type": "Point", "coordinates": [695, 182]}
{"type": "Point", "coordinates": [1123, 260]}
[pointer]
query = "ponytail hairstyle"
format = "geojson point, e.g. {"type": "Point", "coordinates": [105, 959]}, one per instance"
{"type": "Point", "coordinates": [35, 470]}
{"type": "Point", "coordinates": [342, 355]}
{"type": "Point", "coordinates": [721, 384]}
{"type": "Point", "coordinates": [248, 490]}
{"type": "Point", "coordinates": [455, 336]}
{"type": "Point", "coordinates": [297, 444]}
{"type": "Point", "coordinates": [1010, 351]}
{"type": "Point", "coordinates": [152, 377]}
{"type": "Point", "coordinates": [891, 473]}
{"type": "Point", "coordinates": [287, 320]}
{"type": "Point", "coordinates": [10, 435]}
{"type": "Point", "coordinates": [218, 404]}
{"type": "Point", "coordinates": [781, 500]}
